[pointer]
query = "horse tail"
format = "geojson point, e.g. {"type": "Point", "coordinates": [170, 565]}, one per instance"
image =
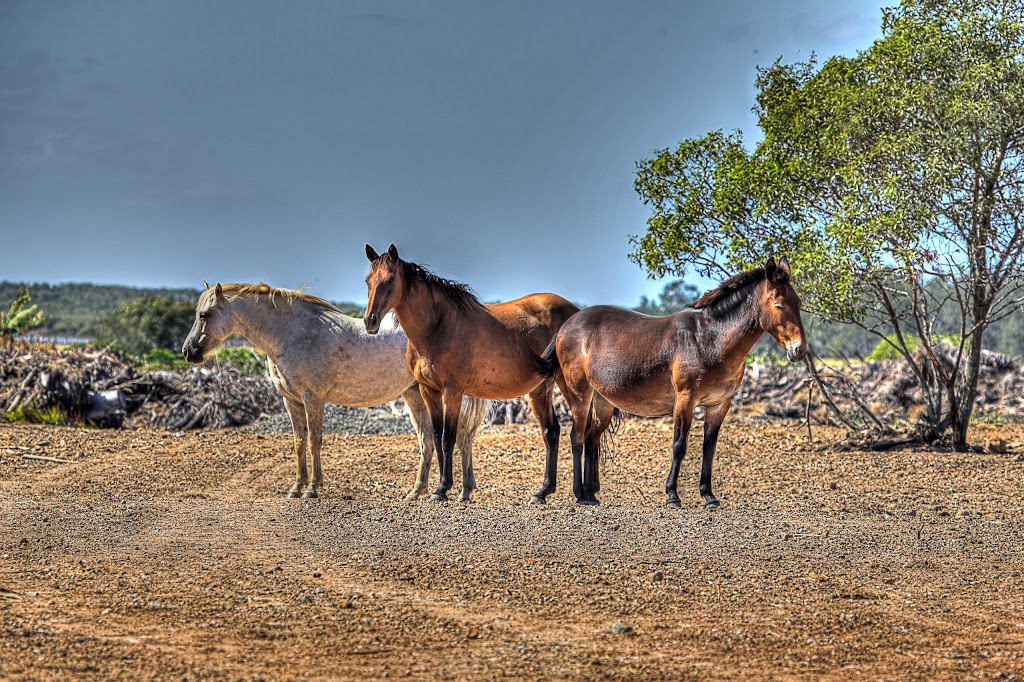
{"type": "Point", "coordinates": [472, 415]}
{"type": "Point", "coordinates": [547, 362]}
{"type": "Point", "coordinates": [608, 446]}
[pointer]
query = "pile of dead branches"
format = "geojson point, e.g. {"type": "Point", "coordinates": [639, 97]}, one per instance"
{"type": "Point", "coordinates": [102, 388]}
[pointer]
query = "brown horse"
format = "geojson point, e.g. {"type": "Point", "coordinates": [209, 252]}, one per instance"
{"type": "Point", "coordinates": [459, 346]}
{"type": "Point", "coordinates": [655, 366]}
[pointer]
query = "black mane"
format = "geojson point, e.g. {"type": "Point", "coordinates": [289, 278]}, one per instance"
{"type": "Point", "coordinates": [457, 292]}
{"type": "Point", "coordinates": [730, 294]}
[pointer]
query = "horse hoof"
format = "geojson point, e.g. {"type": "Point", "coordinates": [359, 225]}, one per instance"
{"type": "Point", "coordinates": [438, 498]}
{"type": "Point", "coordinates": [588, 503]}
{"type": "Point", "coordinates": [711, 505]}
{"type": "Point", "coordinates": [293, 494]}
{"type": "Point", "coordinates": [674, 503]}
{"type": "Point", "coordinates": [310, 495]}
{"type": "Point", "coordinates": [536, 499]}
{"type": "Point", "coordinates": [412, 496]}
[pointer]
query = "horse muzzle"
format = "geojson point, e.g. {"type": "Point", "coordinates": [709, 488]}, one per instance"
{"type": "Point", "coordinates": [193, 353]}
{"type": "Point", "coordinates": [372, 322]}
{"type": "Point", "coordinates": [796, 351]}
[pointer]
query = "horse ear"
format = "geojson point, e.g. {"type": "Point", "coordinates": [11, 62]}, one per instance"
{"type": "Point", "coordinates": [784, 273]}
{"type": "Point", "coordinates": [370, 253]}
{"type": "Point", "coordinates": [205, 285]}
{"type": "Point", "coordinates": [393, 252]}
{"type": "Point", "coordinates": [219, 291]}
{"type": "Point", "coordinates": [770, 268]}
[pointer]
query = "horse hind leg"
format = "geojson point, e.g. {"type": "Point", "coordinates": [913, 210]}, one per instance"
{"type": "Point", "coordinates": [297, 414]}
{"type": "Point", "coordinates": [579, 398]}
{"type": "Point", "coordinates": [470, 418]}
{"type": "Point", "coordinates": [601, 415]}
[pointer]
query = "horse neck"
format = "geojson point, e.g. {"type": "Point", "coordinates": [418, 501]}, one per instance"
{"type": "Point", "coordinates": [419, 312]}
{"type": "Point", "coordinates": [262, 323]}
{"type": "Point", "coordinates": [739, 332]}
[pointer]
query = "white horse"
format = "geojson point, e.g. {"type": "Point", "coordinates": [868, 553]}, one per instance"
{"type": "Point", "coordinates": [319, 355]}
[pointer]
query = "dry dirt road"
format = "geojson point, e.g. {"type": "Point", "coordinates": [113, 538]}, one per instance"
{"type": "Point", "coordinates": [150, 556]}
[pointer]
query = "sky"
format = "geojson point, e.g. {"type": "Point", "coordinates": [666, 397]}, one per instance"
{"type": "Point", "coordinates": [163, 143]}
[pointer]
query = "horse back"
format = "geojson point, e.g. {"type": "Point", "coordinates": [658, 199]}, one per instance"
{"type": "Point", "coordinates": [546, 310]}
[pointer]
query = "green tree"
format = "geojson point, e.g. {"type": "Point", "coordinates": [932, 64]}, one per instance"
{"type": "Point", "coordinates": [146, 323]}
{"type": "Point", "coordinates": [675, 296]}
{"type": "Point", "coordinates": [20, 318]}
{"type": "Point", "coordinates": [879, 175]}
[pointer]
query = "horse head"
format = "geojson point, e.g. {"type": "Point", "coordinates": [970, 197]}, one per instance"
{"type": "Point", "coordinates": [385, 285]}
{"type": "Point", "coordinates": [780, 310]}
{"type": "Point", "coordinates": [214, 323]}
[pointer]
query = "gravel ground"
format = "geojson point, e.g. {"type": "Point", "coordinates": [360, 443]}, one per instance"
{"type": "Point", "coordinates": [343, 420]}
{"type": "Point", "coordinates": [150, 556]}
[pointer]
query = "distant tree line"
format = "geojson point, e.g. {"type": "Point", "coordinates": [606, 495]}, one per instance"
{"type": "Point", "coordinates": [135, 320]}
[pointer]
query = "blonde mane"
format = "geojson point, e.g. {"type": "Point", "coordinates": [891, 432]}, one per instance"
{"type": "Point", "coordinates": [235, 290]}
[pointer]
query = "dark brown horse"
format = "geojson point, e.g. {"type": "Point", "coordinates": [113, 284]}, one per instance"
{"type": "Point", "coordinates": [459, 346]}
{"type": "Point", "coordinates": [655, 366]}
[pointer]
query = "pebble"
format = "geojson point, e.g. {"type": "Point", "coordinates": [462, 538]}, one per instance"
{"type": "Point", "coordinates": [657, 576]}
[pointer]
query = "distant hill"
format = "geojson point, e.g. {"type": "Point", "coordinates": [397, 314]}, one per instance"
{"type": "Point", "coordinates": [73, 309]}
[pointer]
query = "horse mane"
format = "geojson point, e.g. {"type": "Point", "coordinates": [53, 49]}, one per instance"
{"type": "Point", "coordinates": [460, 294]}
{"type": "Point", "coordinates": [728, 295]}
{"type": "Point", "coordinates": [235, 290]}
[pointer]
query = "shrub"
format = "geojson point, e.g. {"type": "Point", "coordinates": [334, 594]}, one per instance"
{"type": "Point", "coordinates": [247, 360]}
{"type": "Point", "coordinates": [163, 358]}
{"type": "Point", "coordinates": [34, 415]}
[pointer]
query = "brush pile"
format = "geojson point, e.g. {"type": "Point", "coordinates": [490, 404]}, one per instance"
{"type": "Point", "coordinates": [102, 388]}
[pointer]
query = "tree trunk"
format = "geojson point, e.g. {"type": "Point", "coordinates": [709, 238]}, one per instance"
{"type": "Point", "coordinates": [961, 412]}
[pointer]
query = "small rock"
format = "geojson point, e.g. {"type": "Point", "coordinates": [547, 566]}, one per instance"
{"type": "Point", "coordinates": [319, 590]}
{"type": "Point", "coordinates": [153, 605]}
{"type": "Point", "coordinates": [316, 574]}
{"type": "Point", "coordinates": [657, 576]}
{"type": "Point", "coordinates": [621, 629]}
{"type": "Point", "coordinates": [833, 485]}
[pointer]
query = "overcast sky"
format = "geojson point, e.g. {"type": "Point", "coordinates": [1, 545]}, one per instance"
{"type": "Point", "coordinates": [162, 143]}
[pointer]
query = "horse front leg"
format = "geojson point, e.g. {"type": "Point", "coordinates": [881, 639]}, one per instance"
{"type": "Point", "coordinates": [713, 419]}
{"type": "Point", "coordinates": [543, 406]}
{"type": "Point", "coordinates": [682, 418]}
{"type": "Point", "coordinates": [451, 403]}
{"type": "Point", "coordinates": [437, 407]}
{"type": "Point", "coordinates": [420, 418]}
{"type": "Point", "coordinates": [315, 425]}
{"type": "Point", "coordinates": [297, 414]}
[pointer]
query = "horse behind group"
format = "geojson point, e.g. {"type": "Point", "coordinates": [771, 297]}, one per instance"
{"type": "Point", "coordinates": [459, 346]}
{"type": "Point", "coordinates": [317, 355]}
{"type": "Point", "coordinates": [656, 366]}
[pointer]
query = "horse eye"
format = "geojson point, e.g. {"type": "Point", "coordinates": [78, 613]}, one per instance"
{"type": "Point", "coordinates": [778, 306]}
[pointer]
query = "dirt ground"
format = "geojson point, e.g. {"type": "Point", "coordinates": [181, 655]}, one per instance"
{"type": "Point", "coordinates": [151, 556]}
